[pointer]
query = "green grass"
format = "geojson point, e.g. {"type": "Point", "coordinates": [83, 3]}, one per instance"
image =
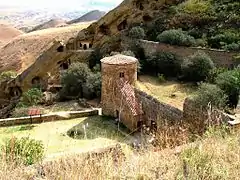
{"type": "Point", "coordinates": [100, 132]}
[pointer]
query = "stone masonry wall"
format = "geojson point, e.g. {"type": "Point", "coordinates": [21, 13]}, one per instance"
{"type": "Point", "coordinates": [157, 111]}
{"type": "Point", "coordinates": [219, 57]}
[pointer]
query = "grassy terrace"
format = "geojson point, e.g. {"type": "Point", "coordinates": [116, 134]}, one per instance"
{"type": "Point", "coordinates": [164, 91]}
{"type": "Point", "coordinates": [55, 135]}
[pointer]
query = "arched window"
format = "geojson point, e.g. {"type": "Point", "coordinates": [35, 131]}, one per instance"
{"type": "Point", "coordinates": [60, 49]}
{"type": "Point", "coordinates": [84, 46]}
{"type": "Point", "coordinates": [36, 81]}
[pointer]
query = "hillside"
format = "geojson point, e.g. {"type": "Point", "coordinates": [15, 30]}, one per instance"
{"type": "Point", "coordinates": [49, 24]}
{"type": "Point", "coordinates": [90, 16]}
{"type": "Point", "coordinates": [214, 23]}
{"type": "Point", "coordinates": [23, 50]}
{"type": "Point", "coordinates": [7, 33]}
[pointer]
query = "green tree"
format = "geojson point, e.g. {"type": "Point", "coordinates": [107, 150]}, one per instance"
{"type": "Point", "coordinates": [73, 79]}
{"type": "Point", "coordinates": [31, 98]}
{"type": "Point", "coordinates": [197, 67]}
{"type": "Point", "coordinates": [229, 82]}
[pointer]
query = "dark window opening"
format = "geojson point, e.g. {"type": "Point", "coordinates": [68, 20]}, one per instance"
{"type": "Point", "coordinates": [139, 124]}
{"type": "Point", "coordinates": [65, 65]}
{"type": "Point", "coordinates": [60, 49]}
{"type": "Point", "coordinates": [90, 45]}
{"type": "Point", "coordinates": [104, 29]}
{"type": "Point", "coordinates": [121, 75]}
{"type": "Point", "coordinates": [147, 18]}
{"type": "Point", "coordinates": [117, 113]}
{"type": "Point", "coordinates": [15, 91]}
{"type": "Point", "coordinates": [140, 6]}
{"type": "Point", "coordinates": [122, 25]}
{"type": "Point", "coordinates": [80, 45]}
{"type": "Point", "coordinates": [36, 80]}
{"type": "Point", "coordinates": [84, 46]}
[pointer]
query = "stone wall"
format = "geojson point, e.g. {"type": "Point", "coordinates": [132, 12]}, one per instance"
{"type": "Point", "coordinates": [219, 57]}
{"type": "Point", "coordinates": [48, 117]}
{"type": "Point", "coordinates": [157, 111]}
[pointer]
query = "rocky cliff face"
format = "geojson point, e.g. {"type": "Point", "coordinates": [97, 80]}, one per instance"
{"type": "Point", "coordinates": [127, 14]}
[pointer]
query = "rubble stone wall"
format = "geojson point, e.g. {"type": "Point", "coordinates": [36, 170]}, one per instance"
{"type": "Point", "coordinates": [157, 111]}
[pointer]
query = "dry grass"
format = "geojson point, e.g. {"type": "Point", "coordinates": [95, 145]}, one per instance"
{"type": "Point", "coordinates": [23, 50]}
{"type": "Point", "coordinates": [215, 156]}
{"type": "Point", "coordinates": [164, 91]}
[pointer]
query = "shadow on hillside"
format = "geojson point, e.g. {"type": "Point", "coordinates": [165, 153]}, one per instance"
{"type": "Point", "coordinates": [98, 127]}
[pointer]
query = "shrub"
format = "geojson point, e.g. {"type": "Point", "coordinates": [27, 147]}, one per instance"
{"type": "Point", "coordinates": [25, 150]}
{"type": "Point", "coordinates": [176, 37]}
{"type": "Point", "coordinates": [73, 79]}
{"type": "Point", "coordinates": [128, 53]}
{"type": "Point", "coordinates": [7, 75]}
{"type": "Point", "coordinates": [161, 78]}
{"type": "Point", "coordinates": [197, 67]}
{"type": "Point", "coordinates": [93, 84]}
{"type": "Point", "coordinates": [229, 82]}
{"type": "Point", "coordinates": [30, 98]}
{"type": "Point", "coordinates": [214, 73]}
{"type": "Point", "coordinates": [20, 112]}
{"type": "Point", "coordinates": [165, 63]}
{"type": "Point", "coordinates": [209, 93]}
{"type": "Point", "coordinates": [137, 33]}
{"type": "Point", "coordinates": [232, 47]}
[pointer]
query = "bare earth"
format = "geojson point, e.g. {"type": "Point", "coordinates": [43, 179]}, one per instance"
{"type": "Point", "coordinates": [23, 50]}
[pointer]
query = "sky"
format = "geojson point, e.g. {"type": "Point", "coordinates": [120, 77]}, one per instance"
{"type": "Point", "coordinates": [104, 5]}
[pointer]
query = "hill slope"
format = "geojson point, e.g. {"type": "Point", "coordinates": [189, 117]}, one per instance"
{"type": "Point", "coordinates": [49, 24]}
{"type": "Point", "coordinates": [23, 50]}
{"type": "Point", "coordinates": [7, 33]}
{"type": "Point", "coordinates": [90, 16]}
{"type": "Point", "coordinates": [217, 23]}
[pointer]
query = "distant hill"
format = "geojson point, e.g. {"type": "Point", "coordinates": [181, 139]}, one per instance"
{"type": "Point", "coordinates": [7, 33]}
{"type": "Point", "coordinates": [49, 24]}
{"type": "Point", "coordinates": [90, 16]}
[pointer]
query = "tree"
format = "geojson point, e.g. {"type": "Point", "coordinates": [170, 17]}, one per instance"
{"type": "Point", "coordinates": [197, 67]}
{"type": "Point", "coordinates": [229, 82]}
{"type": "Point", "coordinates": [73, 79]}
{"type": "Point", "coordinates": [137, 33]}
{"type": "Point", "coordinates": [165, 63]}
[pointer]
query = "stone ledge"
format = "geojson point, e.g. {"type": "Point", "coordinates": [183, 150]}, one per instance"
{"type": "Point", "coordinates": [48, 117]}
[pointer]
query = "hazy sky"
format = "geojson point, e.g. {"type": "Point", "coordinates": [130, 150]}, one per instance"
{"type": "Point", "coordinates": [63, 4]}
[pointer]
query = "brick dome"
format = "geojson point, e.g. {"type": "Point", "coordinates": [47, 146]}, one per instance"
{"type": "Point", "coordinates": [119, 59]}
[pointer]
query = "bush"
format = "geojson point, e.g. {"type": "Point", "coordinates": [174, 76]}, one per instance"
{"type": "Point", "coordinates": [7, 75]}
{"type": "Point", "coordinates": [137, 33]}
{"type": "Point", "coordinates": [73, 79]}
{"type": "Point", "coordinates": [176, 37]}
{"type": "Point", "coordinates": [25, 150]}
{"type": "Point", "coordinates": [78, 79]}
{"type": "Point", "coordinates": [128, 53]}
{"type": "Point", "coordinates": [214, 73]}
{"type": "Point", "coordinates": [20, 112]}
{"type": "Point", "coordinates": [197, 67]}
{"type": "Point", "coordinates": [32, 97]}
{"type": "Point", "coordinates": [161, 78]}
{"type": "Point", "coordinates": [93, 84]}
{"type": "Point", "coordinates": [165, 63]}
{"type": "Point", "coordinates": [232, 47]}
{"type": "Point", "coordinates": [229, 82]}
{"type": "Point", "coordinates": [209, 93]}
